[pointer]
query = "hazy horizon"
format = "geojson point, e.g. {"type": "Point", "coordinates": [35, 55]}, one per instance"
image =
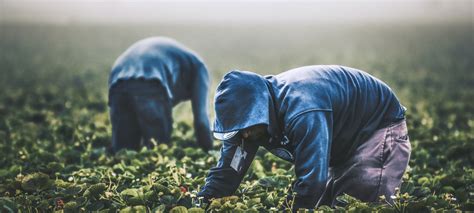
{"type": "Point", "coordinates": [229, 12]}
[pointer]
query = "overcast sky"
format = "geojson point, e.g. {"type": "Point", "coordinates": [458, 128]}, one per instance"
{"type": "Point", "coordinates": [143, 11]}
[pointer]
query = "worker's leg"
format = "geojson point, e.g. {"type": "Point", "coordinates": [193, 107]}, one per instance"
{"type": "Point", "coordinates": [125, 129]}
{"type": "Point", "coordinates": [375, 169]}
{"type": "Point", "coordinates": [396, 161]}
{"type": "Point", "coordinates": [154, 112]}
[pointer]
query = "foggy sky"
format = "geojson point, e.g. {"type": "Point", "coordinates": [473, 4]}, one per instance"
{"type": "Point", "coordinates": [263, 11]}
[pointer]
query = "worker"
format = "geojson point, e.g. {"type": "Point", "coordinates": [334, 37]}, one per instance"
{"type": "Point", "coordinates": [146, 81]}
{"type": "Point", "coordinates": [343, 129]}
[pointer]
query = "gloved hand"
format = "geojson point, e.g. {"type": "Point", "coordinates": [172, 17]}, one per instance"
{"type": "Point", "coordinates": [202, 200]}
{"type": "Point", "coordinates": [203, 138]}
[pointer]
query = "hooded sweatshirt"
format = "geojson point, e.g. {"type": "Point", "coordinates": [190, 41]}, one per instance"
{"type": "Point", "coordinates": [318, 116]}
{"type": "Point", "coordinates": [179, 70]}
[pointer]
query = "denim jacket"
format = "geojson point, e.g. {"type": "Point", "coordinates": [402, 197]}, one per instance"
{"type": "Point", "coordinates": [318, 114]}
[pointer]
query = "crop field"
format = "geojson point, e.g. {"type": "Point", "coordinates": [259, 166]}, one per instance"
{"type": "Point", "coordinates": [55, 129]}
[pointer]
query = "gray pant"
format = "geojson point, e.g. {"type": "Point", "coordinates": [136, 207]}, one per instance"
{"type": "Point", "coordinates": [375, 169]}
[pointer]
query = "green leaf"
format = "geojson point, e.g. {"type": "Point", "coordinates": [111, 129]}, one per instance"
{"type": "Point", "coordinates": [36, 182]}
{"type": "Point", "coordinates": [196, 210]}
{"type": "Point", "coordinates": [179, 209]}
{"type": "Point", "coordinates": [95, 190]}
{"type": "Point", "coordinates": [130, 193]}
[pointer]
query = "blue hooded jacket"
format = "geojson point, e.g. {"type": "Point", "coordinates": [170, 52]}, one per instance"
{"type": "Point", "coordinates": [180, 71]}
{"type": "Point", "coordinates": [319, 114]}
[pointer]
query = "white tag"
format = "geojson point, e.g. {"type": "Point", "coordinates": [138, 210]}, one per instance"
{"type": "Point", "coordinates": [238, 159]}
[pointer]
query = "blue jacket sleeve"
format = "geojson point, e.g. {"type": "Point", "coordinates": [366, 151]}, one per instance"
{"type": "Point", "coordinates": [311, 134]}
{"type": "Point", "coordinates": [199, 102]}
{"type": "Point", "coordinates": [223, 180]}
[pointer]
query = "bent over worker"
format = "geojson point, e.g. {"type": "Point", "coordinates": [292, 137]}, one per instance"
{"type": "Point", "coordinates": [343, 129]}
{"type": "Point", "coordinates": [146, 81]}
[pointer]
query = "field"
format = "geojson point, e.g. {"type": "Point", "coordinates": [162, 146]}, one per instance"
{"type": "Point", "coordinates": [54, 124]}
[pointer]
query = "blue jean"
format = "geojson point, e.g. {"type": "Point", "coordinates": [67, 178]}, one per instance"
{"type": "Point", "coordinates": [139, 110]}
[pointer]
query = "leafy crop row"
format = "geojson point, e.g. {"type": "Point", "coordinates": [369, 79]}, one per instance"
{"type": "Point", "coordinates": [55, 130]}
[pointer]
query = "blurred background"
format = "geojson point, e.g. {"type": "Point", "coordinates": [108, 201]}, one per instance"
{"type": "Point", "coordinates": [421, 48]}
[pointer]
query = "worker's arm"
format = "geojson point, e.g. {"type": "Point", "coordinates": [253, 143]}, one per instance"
{"type": "Point", "coordinates": [224, 179]}
{"type": "Point", "coordinates": [199, 102]}
{"type": "Point", "coordinates": [311, 135]}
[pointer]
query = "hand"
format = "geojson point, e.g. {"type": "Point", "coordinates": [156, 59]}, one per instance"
{"type": "Point", "coordinates": [203, 138]}
{"type": "Point", "coordinates": [205, 144]}
{"type": "Point", "coordinates": [202, 200]}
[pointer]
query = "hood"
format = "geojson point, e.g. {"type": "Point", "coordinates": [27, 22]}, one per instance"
{"type": "Point", "coordinates": [242, 100]}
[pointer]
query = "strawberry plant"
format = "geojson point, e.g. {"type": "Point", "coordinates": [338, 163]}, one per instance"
{"type": "Point", "coordinates": [55, 129]}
